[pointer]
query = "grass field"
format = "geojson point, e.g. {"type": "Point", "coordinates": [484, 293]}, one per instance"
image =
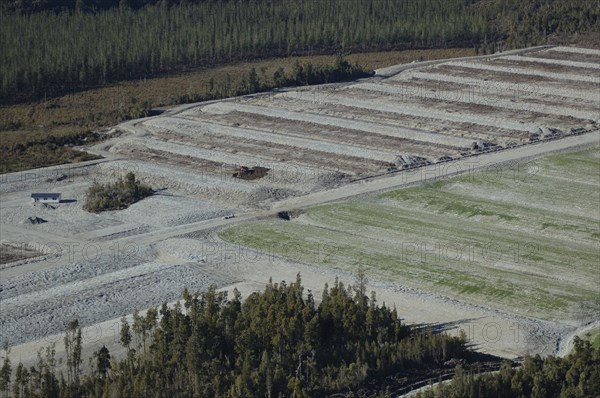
{"type": "Point", "coordinates": [523, 239]}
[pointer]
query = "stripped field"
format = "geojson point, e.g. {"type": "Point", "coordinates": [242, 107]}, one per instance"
{"type": "Point", "coordinates": [523, 239]}
{"type": "Point", "coordinates": [330, 134]}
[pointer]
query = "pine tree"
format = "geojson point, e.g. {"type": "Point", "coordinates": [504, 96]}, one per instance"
{"type": "Point", "coordinates": [103, 361]}
{"type": "Point", "coordinates": [5, 372]}
{"type": "Point", "coordinates": [72, 341]}
{"type": "Point", "coordinates": [125, 334]}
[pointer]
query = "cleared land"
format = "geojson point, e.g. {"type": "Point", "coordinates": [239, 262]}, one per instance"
{"type": "Point", "coordinates": [73, 114]}
{"type": "Point", "coordinates": [361, 129]}
{"type": "Point", "coordinates": [13, 253]}
{"type": "Point", "coordinates": [522, 240]}
{"type": "Point", "coordinates": [321, 144]}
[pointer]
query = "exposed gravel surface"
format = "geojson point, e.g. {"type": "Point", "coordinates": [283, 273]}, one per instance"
{"type": "Point", "coordinates": [525, 71]}
{"type": "Point", "coordinates": [136, 258]}
{"type": "Point", "coordinates": [412, 90]}
{"type": "Point", "coordinates": [346, 123]}
{"type": "Point", "coordinates": [508, 86]}
{"type": "Point", "coordinates": [574, 64]}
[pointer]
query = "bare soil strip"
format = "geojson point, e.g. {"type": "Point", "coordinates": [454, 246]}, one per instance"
{"type": "Point", "coordinates": [476, 90]}
{"type": "Point", "coordinates": [565, 56]}
{"type": "Point", "coordinates": [507, 82]}
{"type": "Point", "coordinates": [490, 105]}
{"type": "Point", "coordinates": [327, 133]}
{"type": "Point", "coordinates": [393, 131]}
{"type": "Point", "coordinates": [535, 67]}
{"type": "Point", "coordinates": [525, 71]}
{"type": "Point", "coordinates": [415, 109]}
{"type": "Point", "coordinates": [383, 155]}
{"type": "Point", "coordinates": [548, 61]}
{"type": "Point", "coordinates": [576, 50]}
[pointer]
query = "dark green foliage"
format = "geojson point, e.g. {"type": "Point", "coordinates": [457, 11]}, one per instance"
{"type": "Point", "coordinates": [72, 342]}
{"type": "Point", "coordinates": [301, 75]}
{"type": "Point", "coordinates": [277, 343]}
{"type": "Point", "coordinates": [519, 23]}
{"type": "Point", "coordinates": [136, 110]}
{"type": "Point", "coordinates": [102, 361]}
{"type": "Point", "coordinates": [577, 376]}
{"type": "Point", "coordinates": [5, 373]}
{"type": "Point", "coordinates": [48, 52]}
{"type": "Point", "coordinates": [115, 196]}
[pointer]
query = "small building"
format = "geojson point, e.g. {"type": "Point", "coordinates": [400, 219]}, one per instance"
{"type": "Point", "coordinates": [45, 197]}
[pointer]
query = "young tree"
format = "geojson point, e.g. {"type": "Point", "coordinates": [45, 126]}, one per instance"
{"type": "Point", "coordinates": [360, 287]}
{"type": "Point", "coordinates": [138, 329]}
{"type": "Point", "coordinates": [279, 79]}
{"type": "Point", "coordinates": [253, 81]}
{"type": "Point", "coordinates": [72, 342]}
{"type": "Point", "coordinates": [125, 333]}
{"type": "Point", "coordinates": [5, 372]}
{"type": "Point", "coordinates": [21, 387]}
{"type": "Point", "coordinates": [103, 361]}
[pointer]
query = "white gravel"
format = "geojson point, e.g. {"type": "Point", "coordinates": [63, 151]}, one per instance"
{"type": "Point", "coordinates": [487, 100]}
{"type": "Point", "coordinates": [418, 110]}
{"type": "Point", "coordinates": [286, 139]}
{"type": "Point", "coordinates": [92, 292]}
{"type": "Point", "coordinates": [526, 71]}
{"type": "Point", "coordinates": [576, 50]}
{"type": "Point", "coordinates": [574, 64]}
{"type": "Point", "coordinates": [198, 181]}
{"type": "Point", "coordinates": [228, 160]}
{"type": "Point", "coordinates": [393, 131]}
{"type": "Point", "coordinates": [534, 89]}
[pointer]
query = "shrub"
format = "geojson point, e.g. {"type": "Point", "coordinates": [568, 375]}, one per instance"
{"type": "Point", "coordinates": [116, 196]}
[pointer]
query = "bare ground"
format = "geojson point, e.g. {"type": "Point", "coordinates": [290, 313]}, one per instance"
{"type": "Point", "coordinates": [100, 267]}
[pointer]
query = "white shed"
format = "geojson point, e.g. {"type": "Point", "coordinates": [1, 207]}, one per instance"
{"type": "Point", "coordinates": [45, 197]}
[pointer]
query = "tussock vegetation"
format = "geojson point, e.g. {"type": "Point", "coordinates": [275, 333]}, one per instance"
{"type": "Point", "coordinates": [116, 196]}
{"type": "Point", "coordinates": [27, 151]}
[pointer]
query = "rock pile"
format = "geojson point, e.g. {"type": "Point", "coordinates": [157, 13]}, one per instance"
{"type": "Point", "coordinates": [36, 220]}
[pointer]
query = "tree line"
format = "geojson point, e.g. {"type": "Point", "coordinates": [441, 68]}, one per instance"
{"type": "Point", "coordinates": [275, 343]}
{"type": "Point", "coordinates": [55, 47]}
{"type": "Point", "coordinates": [24, 152]}
{"type": "Point", "coordinates": [299, 75]}
{"type": "Point", "coordinates": [51, 52]}
{"type": "Point", "coordinates": [575, 376]}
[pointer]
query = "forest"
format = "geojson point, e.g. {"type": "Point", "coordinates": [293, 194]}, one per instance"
{"type": "Point", "coordinates": [281, 343]}
{"type": "Point", "coordinates": [56, 47]}
{"type": "Point", "coordinates": [275, 343]}
{"type": "Point", "coordinates": [575, 376]}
